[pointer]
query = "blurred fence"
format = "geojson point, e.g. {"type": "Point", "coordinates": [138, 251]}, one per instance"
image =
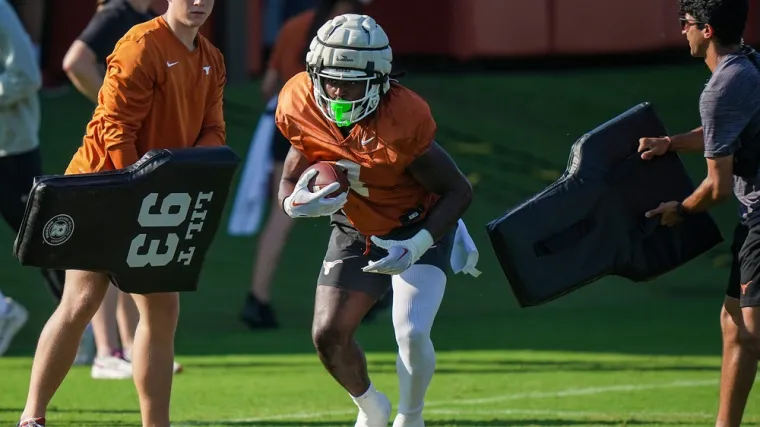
{"type": "Point", "coordinates": [460, 29]}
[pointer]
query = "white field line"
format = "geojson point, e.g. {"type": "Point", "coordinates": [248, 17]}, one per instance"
{"type": "Point", "coordinates": [638, 415]}
{"type": "Point", "coordinates": [574, 392]}
{"type": "Point", "coordinates": [501, 398]}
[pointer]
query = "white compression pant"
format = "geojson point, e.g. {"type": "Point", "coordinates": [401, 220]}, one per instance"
{"type": "Point", "coordinates": [417, 294]}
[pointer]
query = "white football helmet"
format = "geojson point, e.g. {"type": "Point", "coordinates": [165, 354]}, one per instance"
{"type": "Point", "coordinates": [350, 47]}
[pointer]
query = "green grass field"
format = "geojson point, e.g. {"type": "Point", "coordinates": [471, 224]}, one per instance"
{"type": "Point", "coordinates": [614, 353]}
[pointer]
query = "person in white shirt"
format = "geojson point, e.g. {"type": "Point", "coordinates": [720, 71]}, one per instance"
{"type": "Point", "coordinates": [20, 80]}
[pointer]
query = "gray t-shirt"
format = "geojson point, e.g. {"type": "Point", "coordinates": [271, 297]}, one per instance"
{"type": "Point", "coordinates": [730, 110]}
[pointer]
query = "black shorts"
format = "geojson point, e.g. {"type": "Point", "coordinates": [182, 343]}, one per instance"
{"type": "Point", "coordinates": [345, 257]}
{"type": "Point", "coordinates": [744, 279]}
{"type": "Point", "coordinates": [280, 147]}
{"type": "Point", "coordinates": [17, 173]}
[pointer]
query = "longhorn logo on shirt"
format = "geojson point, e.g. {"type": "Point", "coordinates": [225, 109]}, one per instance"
{"type": "Point", "coordinates": [207, 69]}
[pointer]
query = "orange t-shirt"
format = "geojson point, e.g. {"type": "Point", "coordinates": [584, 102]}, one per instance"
{"type": "Point", "coordinates": [156, 94]}
{"type": "Point", "coordinates": [287, 55]}
{"type": "Point", "coordinates": [375, 154]}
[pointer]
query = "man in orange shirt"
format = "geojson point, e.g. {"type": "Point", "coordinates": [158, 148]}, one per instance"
{"type": "Point", "coordinates": [163, 89]}
{"type": "Point", "coordinates": [395, 228]}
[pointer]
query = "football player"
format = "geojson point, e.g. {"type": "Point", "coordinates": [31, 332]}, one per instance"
{"type": "Point", "coordinates": [396, 226]}
{"type": "Point", "coordinates": [163, 88]}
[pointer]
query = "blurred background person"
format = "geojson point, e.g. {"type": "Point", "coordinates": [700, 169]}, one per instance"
{"type": "Point", "coordinates": [20, 159]}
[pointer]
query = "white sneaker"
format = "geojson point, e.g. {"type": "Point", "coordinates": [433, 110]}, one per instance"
{"type": "Point", "coordinates": [34, 422]}
{"type": "Point", "coordinates": [113, 367]}
{"type": "Point", "coordinates": [177, 368]}
{"type": "Point", "coordinates": [378, 417]}
{"type": "Point", "coordinates": [86, 351]}
{"type": "Point", "coordinates": [408, 421]}
{"type": "Point", "coordinates": [11, 322]}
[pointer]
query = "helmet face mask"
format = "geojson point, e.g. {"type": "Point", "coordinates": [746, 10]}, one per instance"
{"type": "Point", "coordinates": [350, 50]}
{"type": "Point", "coordinates": [346, 111]}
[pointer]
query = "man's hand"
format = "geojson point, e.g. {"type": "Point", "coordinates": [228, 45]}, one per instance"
{"type": "Point", "coordinates": [304, 203]}
{"type": "Point", "coordinates": [402, 254]}
{"type": "Point", "coordinates": [669, 212]}
{"type": "Point", "coordinates": [651, 147]}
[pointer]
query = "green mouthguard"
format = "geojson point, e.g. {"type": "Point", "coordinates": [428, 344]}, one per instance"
{"type": "Point", "coordinates": [339, 109]}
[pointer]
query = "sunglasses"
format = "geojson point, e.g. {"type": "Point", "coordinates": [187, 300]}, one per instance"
{"type": "Point", "coordinates": [685, 23]}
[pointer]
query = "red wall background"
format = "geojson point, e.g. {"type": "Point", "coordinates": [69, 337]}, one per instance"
{"type": "Point", "coordinates": [464, 29]}
{"type": "Point", "coordinates": [71, 17]}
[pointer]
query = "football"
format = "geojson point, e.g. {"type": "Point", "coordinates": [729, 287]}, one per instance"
{"type": "Point", "coordinates": [327, 174]}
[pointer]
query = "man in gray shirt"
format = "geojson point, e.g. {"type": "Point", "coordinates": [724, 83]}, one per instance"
{"type": "Point", "coordinates": [730, 139]}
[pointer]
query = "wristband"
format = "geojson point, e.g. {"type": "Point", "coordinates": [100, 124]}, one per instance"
{"type": "Point", "coordinates": [422, 241]}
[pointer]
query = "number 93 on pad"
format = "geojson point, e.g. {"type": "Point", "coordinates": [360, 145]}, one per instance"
{"type": "Point", "coordinates": [168, 224]}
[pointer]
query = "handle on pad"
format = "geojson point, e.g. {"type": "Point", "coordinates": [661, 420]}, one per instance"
{"type": "Point", "coordinates": [565, 238]}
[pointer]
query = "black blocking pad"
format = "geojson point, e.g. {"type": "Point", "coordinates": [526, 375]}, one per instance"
{"type": "Point", "coordinates": [148, 226]}
{"type": "Point", "coordinates": [590, 223]}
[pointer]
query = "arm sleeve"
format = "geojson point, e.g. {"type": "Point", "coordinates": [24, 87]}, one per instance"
{"type": "Point", "coordinates": [288, 118]}
{"type": "Point", "coordinates": [213, 132]}
{"type": "Point", "coordinates": [724, 115]}
{"type": "Point", "coordinates": [126, 99]}
{"type": "Point", "coordinates": [20, 76]}
{"type": "Point", "coordinates": [424, 136]}
{"type": "Point", "coordinates": [288, 129]}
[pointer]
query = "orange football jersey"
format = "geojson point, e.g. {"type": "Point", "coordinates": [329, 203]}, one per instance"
{"type": "Point", "coordinates": [375, 154]}
{"type": "Point", "coordinates": [156, 94]}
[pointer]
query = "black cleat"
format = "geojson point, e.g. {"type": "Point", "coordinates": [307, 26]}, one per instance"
{"type": "Point", "coordinates": [258, 315]}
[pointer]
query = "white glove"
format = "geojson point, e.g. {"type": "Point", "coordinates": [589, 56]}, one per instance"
{"type": "Point", "coordinates": [402, 254]}
{"type": "Point", "coordinates": [304, 203]}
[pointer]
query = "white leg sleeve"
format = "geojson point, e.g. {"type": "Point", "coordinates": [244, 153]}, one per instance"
{"type": "Point", "coordinates": [417, 294]}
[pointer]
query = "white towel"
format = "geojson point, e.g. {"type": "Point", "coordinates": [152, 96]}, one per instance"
{"type": "Point", "coordinates": [464, 254]}
{"type": "Point", "coordinates": [253, 190]}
